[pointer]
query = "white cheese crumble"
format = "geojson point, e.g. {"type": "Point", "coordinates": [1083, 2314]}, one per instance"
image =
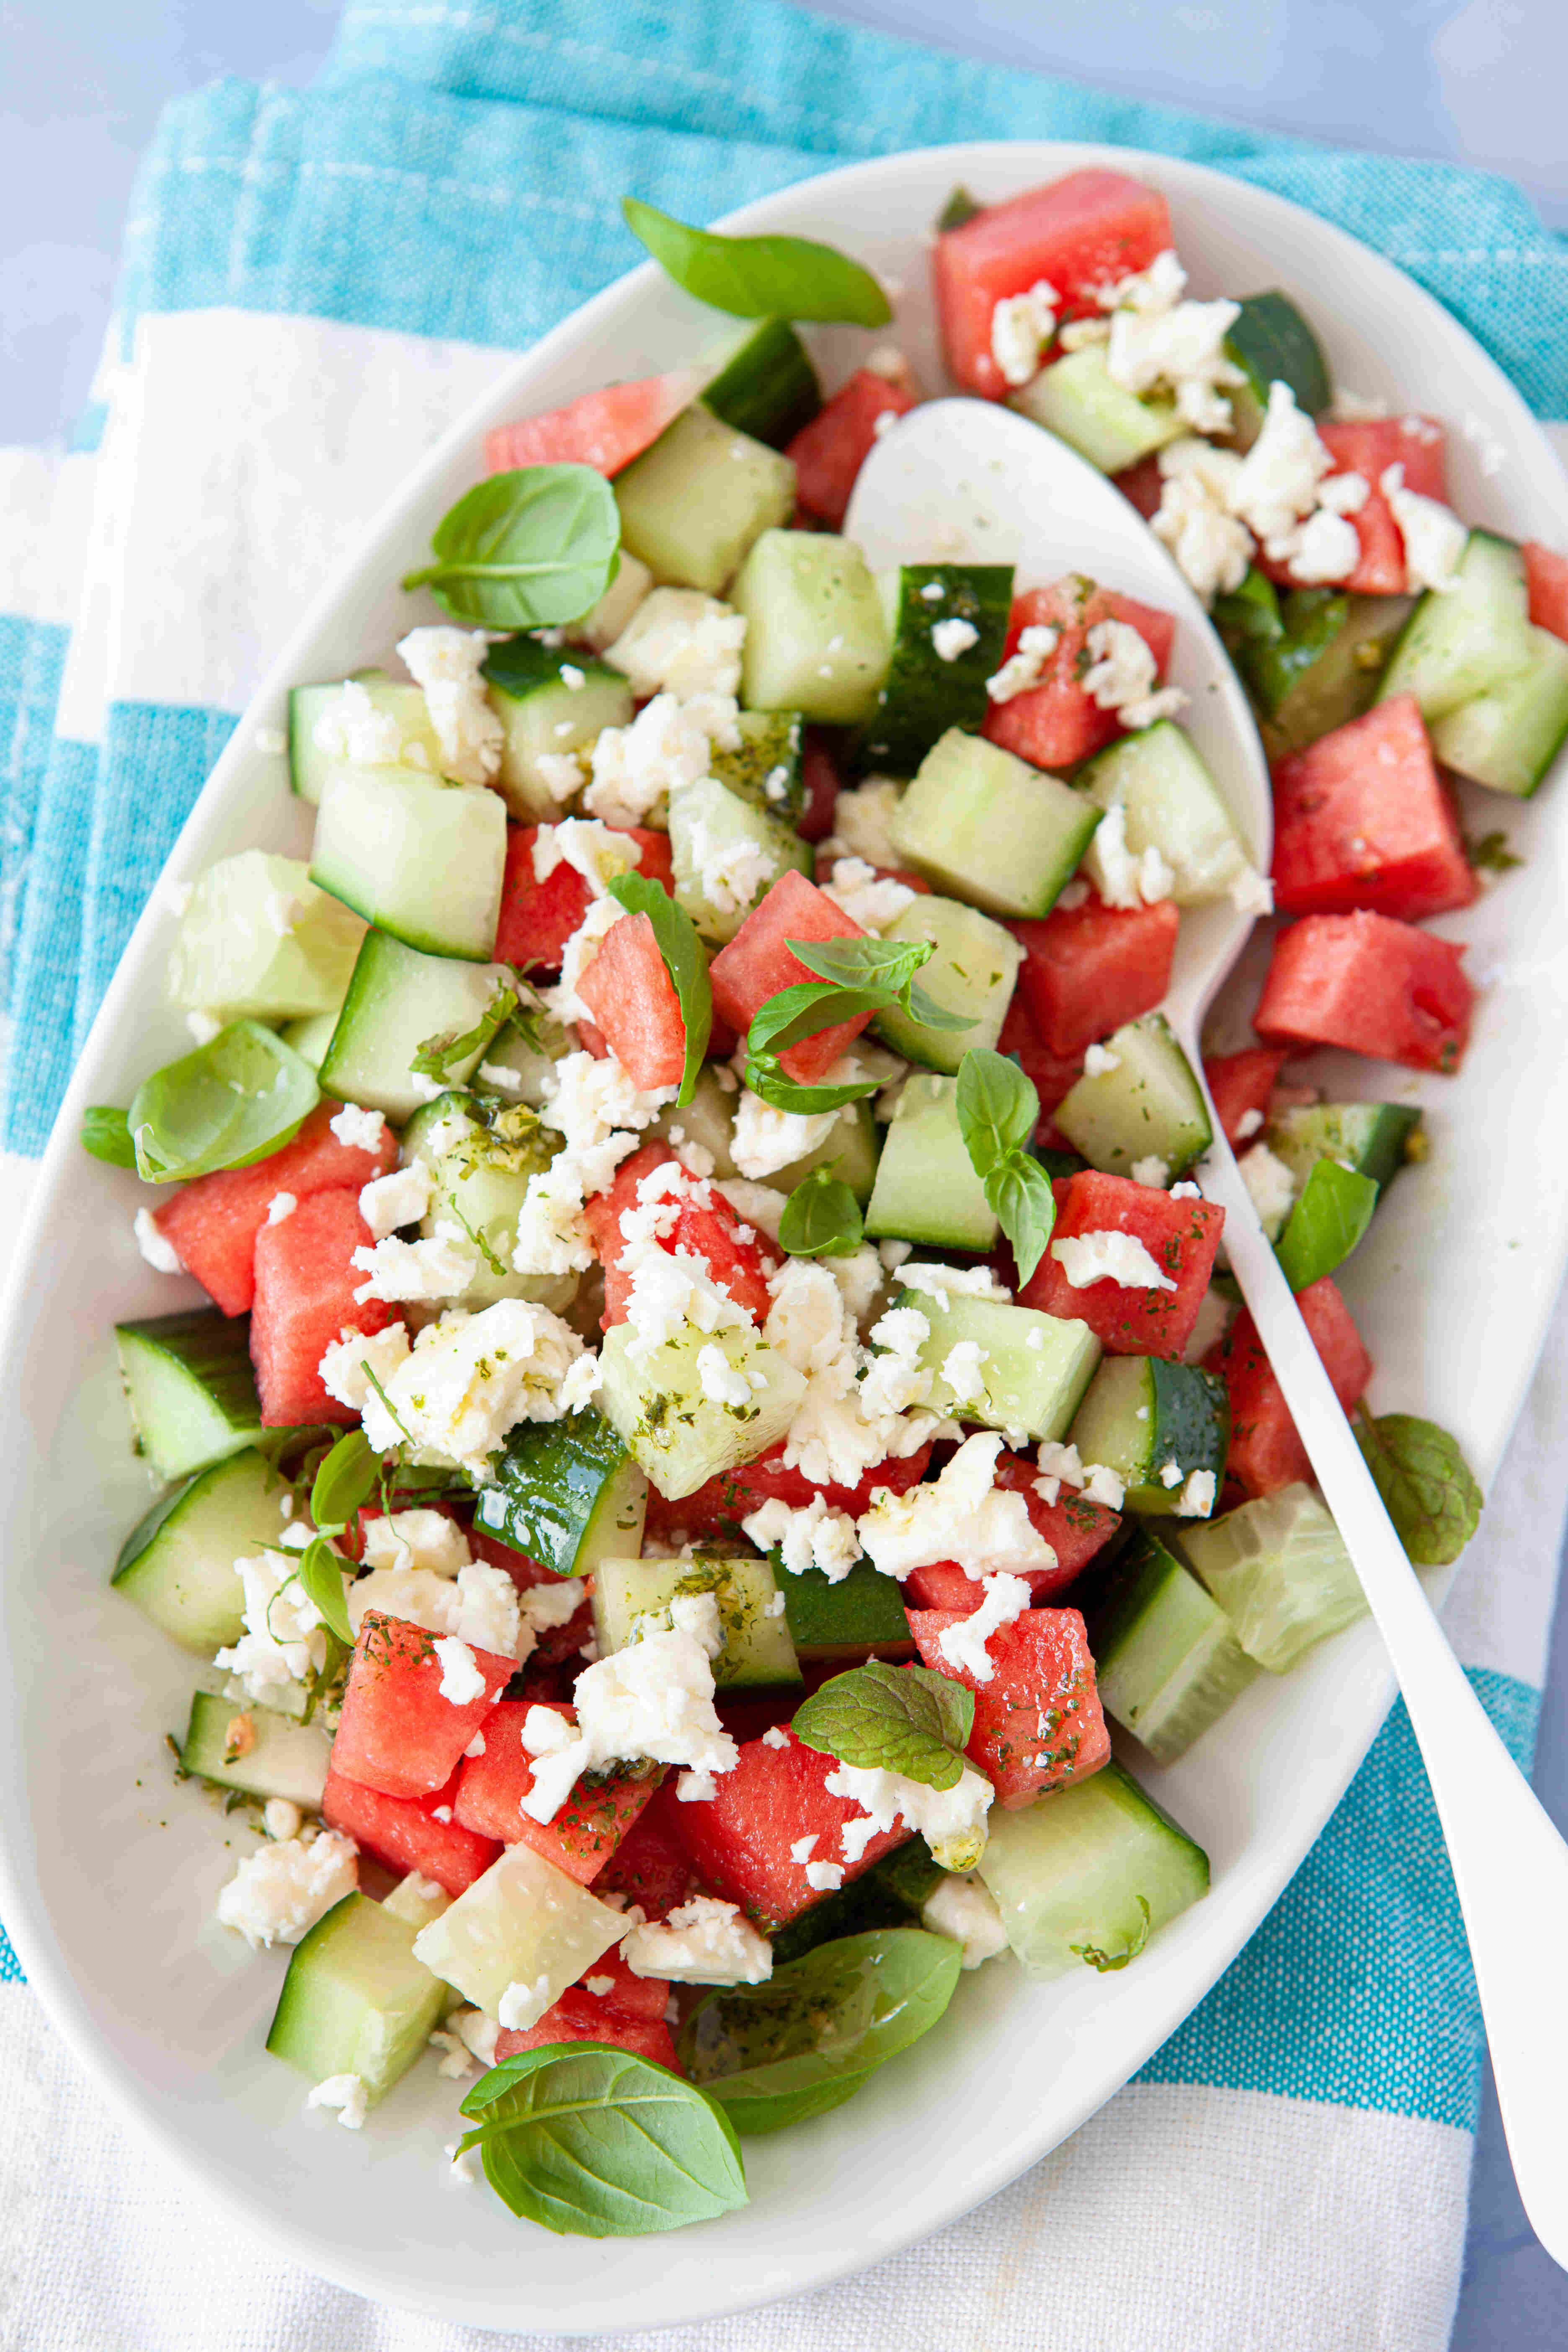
{"type": "Point", "coordinates": [963, 1644]}
{"type": "Point", "coordinates": [472, 1377]}
{"type": "Point", "coordinates": [705, 1941]}
{"type": "Point", "coordinates": [766, 1139]}
{"type": "Point", "coordinates": [653, 1699]}
{"type": "Point", "coordinates": [1024, 669]}
{"type": "Point", "coordinates": [280, 1206]}
{"type": "Point", "coordinates": [590, 848]}
{"type": "Point", "coordinates": [348, 2094]}
{"type": "Point", "coordinates": [440, 1266]}
{"type": "Point", "coordinates": [825, 1877]}
{"type": "Point", "coordinates": [871, 899]}
{"type": "Point", "coordinates": [597, 1109]}
{"type": "Point", "coordinates": [1212, 546]}
{"type": "Point", "coordinates": [1432, 534]}
{"type": "Point", "coordinates": [445, 663]}
{"type": "Point", "coordinates": [963, 1370]}
{"type": "Point", "coordinates": [1099, 1061]}
{"type": "Point", "coordinates": [280, 1892]}
{"type": "Point", "coordinates": [1247, 1125]}
{"type": "Point", "coordinates": [1122, 676]}
{"type": "Point", "coordinates": [282, 1819]}
{"type": "Point", "coordinates": [1108, 1256]}
{"type": "Point", "coordinates": [730, 875]}
{"type": "Point", "coordinates": [1271, 1185]}
{"type": "Point", "coordinates": [479, 1605]}
{"type": "Point", "coordinates": [351, 728]}
{"type": "Point", "coordinates": [401, 1198]}
{"type": "Point", "coordinates": [965, 1909]}
{"type": "Point", "coordinates": [775, 1737]}
{"type": "Point", "coordinates": [160, 1253]}
{"type": "Point", "coordinates": [1176, 348]}
{"type": "Point", "coordinates": [462, 1679]}
{"type": "Point", "coordinates": [862, 823]}
{"type": "Point", "coordinates": [680, 642]}
{"type": "Point", "coordinates": [1124, 878]}
{"type": "Point", "coordinates": [944, 1817]}
{"type": "Point", "coordinates": [812, 1535]}
{"type": "Point", "coordinates": [426, 1539]}
{"type": "Point", "coordinates": [359, 1130]}
{"type": "Point", "coordinates": [952, 637]}
{"type": "Point", "coordinates": [963, 1515]}
{"type": "Point", "coordinates": [1154, 1171]}
{"type": "Point", "coordinates": [284, 1643]}
{"type": "Point", "coordinates": [1197, 1495]}
{"type": "Point", "coordinates": [1021, 327]}
{"type": "Point", "coordinates": [722, 1382]}
{"type": "Point", "coordinates": [522, 2005]}
{"type": "Point", "coordinates": [349, 1364]}
{"type": "Point", "coordinates": [669, 743]}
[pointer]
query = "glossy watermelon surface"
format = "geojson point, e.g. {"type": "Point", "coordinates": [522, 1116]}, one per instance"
{"type": "Point", "coordinates": [396, 1732]}
{"type": "Point", "coordinates": [1038, 1721]}
{"type": "Point", "coordinates": [628, 991]}
{"type": "Point", "coordinates": [1087, 969]}
{"type": "Point", "coordinates": [1241, 1085]}
{"type": "Point", "coordinates": [1546, 576]}
{"type": "Point", "coordinates": [1368, 447]}
{"type": "Point", "coordinates": [1372, 985]}
{"type": "Point", "coordinates": [1363, 819]}
{"type": "Point", "coordinates": [537, 919]}
{"type": "Point", "coordinates": [1265, 1451]}
{"type": "Point", "coordinates": [1059, 723]}
{"type": "Point", "coordinates": [589, 1825]}
{"type": "Point", "coordinates": [703, 1224]}
{"type": "Point", "coordinates": [305, 1284]}
{"type": "Point", "coordinates": [403, 1832]}
{"type": "Point", "coordinates": [651, 1866]}
{"type": "Point", "coordinates": [741, 1839]}
{"type": "Point", "coordinates": [602, 429]}
{"type": "Point", "coordinates": [1051, 1075]}
{"type": "Point", "coordinates": [1182, 1236]}
{"type": "Point", "coordinates": [829, 452]}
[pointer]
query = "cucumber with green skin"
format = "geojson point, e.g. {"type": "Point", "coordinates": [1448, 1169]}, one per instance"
{"type": "Point", "coordinates": [694, 504]}
{"type": "Point", "coordinates": [1466, 639]}
{"type": "Point", "coordinates": [971, 974]}
{"type": "Point", "coordinates": [481, 1152]}
{"type": "Point", "coordinates": [190, 1387]}
{"type": "Point", "coordinates": [1377, 1139]}
{"type": "Point", "coordinates": [631, 1596]}
{"type": "Point", "coordinates": [766, 386]}
{"type": "Point", "coordinates": [548, 702]}
{"type": "Point", "coordinates": [394, 698]}
{"type": "Point", "coordinates": [1078, 400]}
{"type": "Point", "coordinates": [1147, 1106]}
{"type": "Point", "coordinates": [1280, 1570]}
{"type": "Point", "coordinates": [668, 1419]}
{"type": "Point", "coordinates": [399, 1000]}
{"type": "Point", "coordinates": [707, 820]}
{"type": "Point", "coordinates": [178, 1564]}
{"type": "Point", "coordinates": [817, 639]}
{"type": "Point", "coordinates": [1034, 1368]}
{"type": "Point", "coordinates": [1508, 738]}
{"type": "Point", "coordinates": [567, 1493]}
{"type": "Point", "coordinates": [419, 857]}
{"type": "Point", "coordinates": [926, 1189]}
{"type": "Point", "coordinates": [1143, 1416]}
{"type": "Point", "coordinates": [355, 2000]}
{"type": "Point", "coordinates": [1160, 781]}
{"type": "Point", "coordinates": [923, 693]}
{"type": "Point", "coordinates": [861, 1616]}
{"type": "Point", "coordinates": [253, 1749]}
{"type": "Point", "coordinates": [1340, 681]}
{"type": "Point", "coordinates": [1166, 1662]}
{"type": "Point", "coordinates": [765, 771]}
{"type": "Point", "coordinates": [989, 829]}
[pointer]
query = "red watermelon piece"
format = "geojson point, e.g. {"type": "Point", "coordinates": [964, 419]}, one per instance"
{"type": "Point", "coordinates": [1182, 1236]}
{"type": "Point", "coordinates": [1051, 1075]}
{"type": "Point", "coordinates": [305, 1285]}
{"type": "Point", "coordinates": [1038, 1721]}
{"type": "Point", "coordinates": [629, 991]}
{"type": "Point", "coordinates": [1361, 818]}
{"type": "Point", "coordinates": [214, 1222]}
{"type": "Point", "coordinates": [537, 919]}
{"type": "Point", "coordinates": [651, 1866]}
{"type": "Point", "coordinates": [578, 2016]}
{"type": "Point", "coordinates": [1546, 575]}
{"type": "Point", "coordinates": [741, 1839]}
{"type": "Point", "coordinates": [1059, 723]}
{"type": "Point", "coordinates": [1371, 984]}
{"type": "Point", "coordinates": [829, 452]}
{"type": "Point", "coordinates": [1265, 1453]}
{"type": "Point", "coordinates": [1087, 969]}
{"type": "Point", "coordinates": [1368, 447]}
{"type": "Point", "coordinates": [1081, 232]}
{"type": "Point", "coordinates": [1241, 1085]}
{"type": "Point", "coordinates": [396, 1733]}
{"type": "Point", "coordinates": [704, 1225]}
{"type": "Point", "coordinates": [403, 1832]}
{"type": "Point", "coordinates": [590, 1824]}
{"type": "Point", "coordinates": [758, 961]}
{"type": "Point", "coordinates": [716, 1510]}
{"type": "Point", "coordinates": [602, 429]}
{"type": "Point", "coordinates": [1075, 1528]}
{"type": "Point", "coordinates": [820, 778]}
{"type": "Point", "coordinates": [1144, 484]}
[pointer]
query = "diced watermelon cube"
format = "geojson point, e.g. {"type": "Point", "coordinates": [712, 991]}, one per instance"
{"type": "Point", "coordinates": [305, 1285]}
{"type": "Point", "coordinates": [1371, 984]}
{"type": "Point", "coordinates": [1038, 1721]}
{"type": "Point", "coordinates": [1546, 574]}
{"type": "Point", "coordinates": [822, 782]}
{"type": "Point", "coordinates": [1265, 1453]}
{"type": "Point", "coordinates": [1051, 1074]}
{"type": "Point", "coordinates": [638, 1996]}
{"type": "Point", "coordinates": [714, 1512]}
{"type": "Point", "coordinates": [537, 919]}
{"type": "Point", "coordinates": [1361, 818]}
{"type": "Point", "coordinates": [1182, 1236]}
{"type": "Point", "coordinates": [1087, 230]}
{"type": "Point", "coordinates": [1075, 1528]}
{"type": "Point", "coordinates": [1059, 723]}
{"type": "Point", "coordinates": [602, 429]}
{"type": "Point", "coordinates": [1368, 447]}
{"type": "Point", "coordinates": [396, 1732]}
{"type": "Point", "coordinates": [1088, 968]}
{"type": "Point", "coordinates": [628, 990]}
{"type": "Point", "coordinates": [214, 1222]}
{"type": "Point", "coordinates": [403, 1832]}
{"type": "Point", "coordinates": [577, 2016]}
{"type": "Point", "coordinates": [1144, 484]}
{"type": "Point", "coordinates": [705, 1226]}
{"type": "Point", "coordinates": [590, 1824]}
{"type": "Point", "coordinates": [758, 962]}
{"type": "Point", "coordinates": [651, 1866]}
{"type": "Point", "coordinates": [774, 1799]}
{"type": "Point", "coordinates": [1241, 1085]}
{"type": "Point", "coordinates": [829, 452]}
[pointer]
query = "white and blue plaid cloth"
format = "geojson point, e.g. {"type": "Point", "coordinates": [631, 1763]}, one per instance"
{"type": "Point", "coordinates": [315, 283]}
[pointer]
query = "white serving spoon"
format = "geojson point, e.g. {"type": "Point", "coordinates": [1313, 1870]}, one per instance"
{"type": "Point", "coordinates": [965, 481]}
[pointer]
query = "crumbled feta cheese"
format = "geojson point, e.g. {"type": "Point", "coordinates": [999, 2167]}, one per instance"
{"type": "Point", "coordinates": [1178, 349]}
{"type": "Point", "coordinates": [1432, 534]}
{"type": "Point", "coordinates": [722, 1382]}
{"type": "Point", "coordinates": [775, 1737]}
{"type": "Point", "coordinates": [1186, 1191]}
{"type": "Point", "coordinates": [946, 1818]}
{"type": "Point", "coordinates": [445, 663]}
{"type": "Point", "coordinates": [1271, 1185]}
{"type": "Point", "coordinates": [357, 1129]}
{"type": "Point", "coordinates": [347, 2094]}
{"type": "Point", "coordinates": [441, 1266]}
{"type": "Point", "coordinates": [1023, 668]}
{"type": "Point", "coordinates": [284, 1643]}
{"type": "Point", "coordinates": [280, 1819]}
{"type": "Point", "coordinates": [811, 1536]}
{"type": "Point", "coordinates": [476, 2033]}
{"type": "Point", "coordinates": [803, 1849]}
{"type": "Point", "coordinates": [562, 773]}
{"type": "Point", "coordinates": [281, 1205]}
{"type": "Point", "coordinates": [547, 1606]}
{"type": "Point", "coordinates": [1099, 1061]}
{"type": "Point", "coordinates": [669, 743]}
{"type": "Point", "coordinates": [1102, 1484]}
{"type": "Point", "coordinates": [680, 642]}
{"type": "Point", "coordinates": [843, 1426]}
{"type": "Point", "coordinates": [965, 1909]}
{"type": "Point", "coordinates": [952, 637]}
{"type": "Point", "coordinates": [963, 1515]}
{"type": "Point", "coordinates": [1124, 878]}
{"type": "Point", "coordinates": [1021, 327]}
{"type": "Point", "coordinates": [1122, 677]}
{"type": "Point", "coordinates": [1154, 1171]}
{"type": "Point", "coordinates": [280, 1891]}
{"type": "Point", "coordinates": [471, 1380]}
{"type": "Point", "coordinates": [348, 1365]}
{"type": "Point", "coordinates": [1212, 546]}
{"type": "Point", "coordinates": [1197, 1495]}
{"type": "Point", "coordinates": [590, 848]}
{"type": "Point", "coordinates": [1278, 482]}
{"type": "Point", "coordinates": [572, 679]}
{"type": "Point", "coordinates": [705, 1941]}
{"type": "Point", "coordinates": [160, 1253]}
{"type": "Point", "coordinates": [943, 1282]}
{"type": "Point", "coordinates": [1108, 1256]}
{"type": "Point", "coordinates": [963, 1370]}
{"type": "Point", "coordinates": [868, 898]}
{"type": "Point", "coordinates": [963, 1644]}
{"type": "Point", "coordinates": [351, 727]}
{"type": "Point", "coordinates": [400, 1199]}
{"type": "Point", "coordinates": [462, 1680]}
{"type": "Point", "coordinates": [522, 2005]}
{"type": "Point", "coordinates": [1150, 292]}
{"type": "Point", "coordinates": [598, 1110]}
{"type": "Point", "coordinates": [1325, 547]}
{"type": "Point", "coordinates": [730, 875]}
{"type": "Point", "coordinates": [479, 1605]}
{"type": "Point", "coordinates": [1251, 893]}
{"type": "Point", "coordinates": [760, 1206]}
{"type": "Point", "coordinates": [1249, 1124]}
{"type": "Point", "coordinates": [1170, 1472]}
{"type": "Point", "coordinates": [462, 2166]}
{"type": "Point", "coordinates": [862, 821]}
{"type": "Point", "coordinates": [825, 1877]}
{"type": "Point", "coordinates": [766, 1139]}
{"type": "Point", "coordinates": [653, 1699]}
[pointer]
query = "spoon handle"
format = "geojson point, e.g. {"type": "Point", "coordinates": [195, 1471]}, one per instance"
{"type": "Point", "coordinates": [1510, 1863]}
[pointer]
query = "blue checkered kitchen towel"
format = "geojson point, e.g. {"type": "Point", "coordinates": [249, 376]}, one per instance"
{"type": "Point", "coordinates": [314, 284]}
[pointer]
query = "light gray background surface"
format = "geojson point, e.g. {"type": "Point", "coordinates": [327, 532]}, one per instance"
{"type": "Point", "coordinates": [1477, 82]}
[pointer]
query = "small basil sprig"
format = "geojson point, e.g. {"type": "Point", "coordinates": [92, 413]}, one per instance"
{"type": "Point", "coordinates": [685, 960]}
{"type": "Point", "coordinates": [592, 2142]}
{"type": "Point", "coordinates": [106, 1133]}
{"type": "Point", "coordinates": [439, 1056]}
{"type": "Point", "coordinates": [1328, 1221]}
{"type": "Point", "coordinates": [760, 277]}
{"type": "Point", "coordinates": [321, 1573]}
{"type": "Point", "coordinates": [998, 1109]}
{"type": "Point", "coordinates": [821, 1218]}
{"type": "Point", "coordinates": [525, 549]}
{"type": "Point", "coordinates": [807, 2039]}
{"type": "Point", "coordinates": [858, 977]}
{"type": "Point", "coordinates": [885, 1718]}
{"type": "Point", "coordinates": [345, 1480]}
{"type": "Point", "coordinates": [229, 1103]}
{"type": "Point", "coordinates": [1427, 1487]}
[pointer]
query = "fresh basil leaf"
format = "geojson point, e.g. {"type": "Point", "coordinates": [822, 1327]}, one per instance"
{"type": "Point", "coordinates": [807, 2039]}
{"type": "Point", "coordinates": [821, 1218]}
{"type": "Point", "coordinates": [1332, 1214]}
{"type": "Point", "coordinates": [320, 1574]}
{"type": "Point", "coordinates": [106, 1133]}
{"type": "Point", "coordinates": [1249, 614]}
{"type": "Point", "coordinates": [685, 960]}
{"type": "Point", "coordinates": [1425, 1482]}
{"type": "Point", "coordinates": [765, 1079]}
{"type": "Point", "coordinates": [592, 2142]}
{"type": "Point", "coordinates": [760, 277]}
{"type": "Point", "coordinates": [885, 1718]}
{"type": "Point", "coordinates": [885, 968]}
{"type": "Point", "coordinates": [808, 1007]}
{"type": "Point", "coordinates": [1019, 1190]}
{"type": "Point", "coordinates": [345, 1480]}
{"type": "Point", "coordinates": [440, 1054]}
{"type": "Point", "coordinates": [225, 1105]}
{"type": "Point", "coordinates": [525, 549]}
{"type": "Point", "coordinates": [997, 1108]}
{"type": "Point", "coordinates": [959, 207]}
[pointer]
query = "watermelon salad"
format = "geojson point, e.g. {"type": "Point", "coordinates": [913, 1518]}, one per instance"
{"type": "Point", "coordinates": [705, 1388]}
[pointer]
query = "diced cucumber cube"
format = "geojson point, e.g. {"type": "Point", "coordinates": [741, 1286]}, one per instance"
{"type": "Point", "coordinates": [861, 1616]}
{"type": "Point", "coordinates": [767, 385]}
{"type": "Point", "coordinates": [547, 703]}
{"type": "Point", "coordinates": [610, 617]}
{"type": "Point", "coordinates": [355, 1999]}
{"type": "Point", "coordinates": [1508, 738]}
{"type": "Point", "coordinates": [926, 1187]}
{"type": "Point", "coordinates": [816, 641]}
{"type": "Point", "coordinates": [399, 1001]}
{"type": "Point", "coordinates": [311, 1038]}
{"type": "Point", "coordinates": [1085, 1874]}
{"type": "Point", "coordinates": [694, 504]}
{"type": "Point", "coordinates": [1325, 672]}
{"type": "Point", "coordinates": [1034, 1367]}
{"type": "Point", "coordinates": [1156, 1424]}
{"type": "Point", "coordinates": [1166, 1661]}
{"type": "Point", "coordinates": [420, 859]}
{"type": "Point", "coordinates": [254, 1749]}
{"type": "Point", "coordinates": [481, 1152]}
{"type": "Point", "coordinates": [1375, 1139]}
{"type": "Point", "coordinates": [1279, 1571]}
{"type": "Point", "coordinates": [190, 1389]}
{"type": "Point", "coordinates": [936, 672]}
{"type": "Point", "coordinates": [727, 853]}
{"type": "Point", "coordinates": [567, 1493]}
{"type": "Point", "coordinates": [986, 827]}
{"type": "Point", "coordinates": [178, 1564]}
{"type": "Point", "coordinates": [418, 745]}
{"type": "Point", "coordinates": [524, 1923]}
{"type": "Point", "coordinates": [680, 1434]}
{"type": "Point", "coordinates": [1463, 641]}
{"type": "Point", "coordinates": [417, 1900]}
{"type": "Point", "coordinates": [1148, 1106]}
{"type": "Point", "coordinates": [260, 943]}
{"type": "Point", "coordinates": [972, 973]}
{"type": "Point", "coordinates": [1172, 803]}
{"type": "Point", "coordinates": [1077, 399]}
{"type": "Point", "coordinates": [632, 1597]}
{"type": "Point", "coordinates": [766, 770]}
{"type": "Point", "coordinates": [849, 1149]}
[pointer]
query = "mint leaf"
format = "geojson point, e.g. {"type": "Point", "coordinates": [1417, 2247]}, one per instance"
{"type": "Point", "coordinates": [106, 1133]}
{"type": "Point", "coordinates": [821, 1218]}
{"type": "Point", "coordinates": [592, 2142]}
{"type": "Point", "coordinates": [885, 1718]}
{"type": "Point", "coordinates": [998, 1109]}
{"type": "Point", "coordinates": [525, 549]}
{"type": "Point", "coordinates": [1425, 1482]}
{"type": "Point", "coordinates": [760, 277]}
{"type": "Point", "coordinates": [439, 1056]}
{"type": "Point", "coordinates": [231, 1102]}
{"type": "Point", "coordinates": [809, 2039]}
{"type": "Point", "coordinates": [685, 960]}
{"type": "Point", "coordinates": [1328, 1221]}
{"type": "Point", "coordinates": [320, 1575]}
{"type": "Point", "coordinates": [346, 1479]}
